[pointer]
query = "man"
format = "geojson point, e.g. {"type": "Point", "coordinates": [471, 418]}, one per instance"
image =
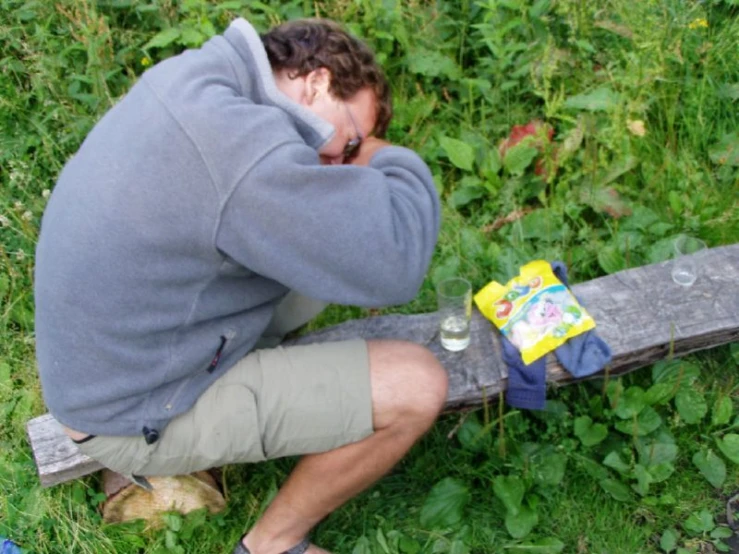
{"type": "Point", "coordinates": [231, 185]}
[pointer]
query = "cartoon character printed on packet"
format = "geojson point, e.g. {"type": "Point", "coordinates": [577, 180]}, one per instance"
{"type": "Point", "coordinates": [552, 312]}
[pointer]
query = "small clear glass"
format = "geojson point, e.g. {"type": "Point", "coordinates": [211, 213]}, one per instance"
{"type": "Point", "coordinates": [685, 267]}
{"type": "Point", "coordinates": [454, 297]}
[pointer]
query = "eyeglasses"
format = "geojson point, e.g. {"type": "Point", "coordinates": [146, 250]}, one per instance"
{"type": "Point", "coordinates": [353, 145]}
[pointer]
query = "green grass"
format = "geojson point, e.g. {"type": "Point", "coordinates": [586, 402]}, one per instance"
{"type": "Point", "coordinates": [464, 73]}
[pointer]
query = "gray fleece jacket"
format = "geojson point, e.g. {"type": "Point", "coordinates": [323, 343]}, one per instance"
{"type": "Point", "coordinates": [187, 214]}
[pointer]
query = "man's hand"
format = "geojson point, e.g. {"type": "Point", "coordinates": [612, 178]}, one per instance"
{"type": "Point", "coordinates": [367, 149]}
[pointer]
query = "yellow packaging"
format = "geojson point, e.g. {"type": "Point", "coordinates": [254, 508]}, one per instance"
{"type": "Point", "coordinates": [535, 310]}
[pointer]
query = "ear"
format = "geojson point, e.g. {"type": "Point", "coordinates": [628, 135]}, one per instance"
{"type": "Point", "coordinates": [317, 83]}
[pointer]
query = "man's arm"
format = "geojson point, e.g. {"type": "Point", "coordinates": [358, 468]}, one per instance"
{"type": "Point", "coordinates": [349, 234]}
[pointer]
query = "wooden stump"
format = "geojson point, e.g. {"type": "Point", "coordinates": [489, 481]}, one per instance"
{"type": "Point", "coordinates": [182, 493]}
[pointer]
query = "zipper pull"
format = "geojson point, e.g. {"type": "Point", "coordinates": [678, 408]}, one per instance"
{"type": "Point", "coordinates": [217, 357]}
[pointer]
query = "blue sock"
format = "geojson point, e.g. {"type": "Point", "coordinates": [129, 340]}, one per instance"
{"type": "Point", "coordinates": [582, 355]}
{"type": "Point", "coordinates": [527, 384]}
{"type": "Point", "coordinates": [586, 353]}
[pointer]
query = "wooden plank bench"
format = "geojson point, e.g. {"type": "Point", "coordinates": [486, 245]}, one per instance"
{"type": "Point", "coordinates": [640, 313]}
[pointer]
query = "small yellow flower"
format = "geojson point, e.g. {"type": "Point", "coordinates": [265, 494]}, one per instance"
{"type": "Point", "coordinates": [27, 215]}
{"type": "Point", "coordinates": [697, 23]}
{"type": "Point", "coordinates": [636, 127]}
{"type": "Point", "coordinates": [146, 61]}
{"type": "Point", "coordinates": [46, 193]}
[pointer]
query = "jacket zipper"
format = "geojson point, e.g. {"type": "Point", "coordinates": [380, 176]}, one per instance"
{"type": "Point", "coordinates": [217, 357]}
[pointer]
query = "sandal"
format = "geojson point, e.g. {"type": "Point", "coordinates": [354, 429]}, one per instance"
{"type": "Point", "coordinates": [299, 548]}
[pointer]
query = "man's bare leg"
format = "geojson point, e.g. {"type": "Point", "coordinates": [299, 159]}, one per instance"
{"type": "Point", "coordinates": [409, 388]}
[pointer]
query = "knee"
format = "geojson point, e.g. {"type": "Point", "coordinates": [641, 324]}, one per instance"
{"type": "Point", "coordinates": [407, 381]}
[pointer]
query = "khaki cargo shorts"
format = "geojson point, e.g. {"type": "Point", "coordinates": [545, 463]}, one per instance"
{"type": "Point", "coordinates": [275, 402]}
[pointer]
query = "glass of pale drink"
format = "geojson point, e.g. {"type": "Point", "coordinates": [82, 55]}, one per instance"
{"type": "Point", "coordinates": [685, 266]}
{"type": "Point", "coordinates": [455, 311]}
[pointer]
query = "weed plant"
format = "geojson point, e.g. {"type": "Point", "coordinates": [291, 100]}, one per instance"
{"type": "Point", "coordinates": [591, 132]}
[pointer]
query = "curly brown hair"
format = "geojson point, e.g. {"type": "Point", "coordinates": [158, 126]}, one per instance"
{"type": "Point", "coordinates": [306, 44]}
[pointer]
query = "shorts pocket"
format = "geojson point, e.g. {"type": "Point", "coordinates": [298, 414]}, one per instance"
{"type": "Point", "coordinates": [222, 428]}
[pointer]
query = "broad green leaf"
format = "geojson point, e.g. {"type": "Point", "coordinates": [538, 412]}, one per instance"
{"type": "Point", "coordinates": [660, 393]}
{"type": "Point", "coordinates": [669, 539]}
{"type": "Point", "coordinates": [163, 38]}
{"type": "Point", "coordinates": [711, 466]}
{"type": "Point", "coordinates": [722, 533]}
{"type": "Point", "coordinates": [691, 405]}
{"type": "Point", "coordinates": [432, 63]}
{"type": "Point", "coordinates": [660, 229]}
{"type": "Point", "coordinates": [572, 142]}
{"type": "Point", "coordinates": [675, 201]}
{"type": "Point", "coordinates": [458, 547]}
{"type": "Point", "coordinates": [510, 490]}
{"type": "Point", "coordinates": [643, 480]}
{"type": "Point", "coordinates": [473, 436]}
{"type": "Point", "coordinates": [661, 250]}
{"type": "Point", "coordinates": [729, 446]}
{"type": "Point", "coordinates": [661, 472]}
{"type": "Point", "coordinates": [610, 259]}
{"type": "Point", "coordinates": [657, 449]}
{"type": "Point", "coordinates": [601, 99]}
{"type": "Point", "coordinates": [613, 460]}
{"type": "Point", "coordinates": [550, 470]}
{"type": "Point", "coordinates": [518, 158]}
{"type": "Point", "coordinates": [729, 91]}
{"type": "Point", "coordinates": [676, 371]}
{"type": "Point", "coordinates": [726, 151]}
{"type": "Point", "coordinates": [362, 546]}
{"type": "Point", "coordinates": [445, 504]}
{"type": "Point", "coordinates": [408, 545]}
{"type": "Point", "coordinates": [549, 545]}
{"type": "Point", "coordinates": [646, 422]}
{"type": "Point", "coordinates": [594, 469]}
{"type": "Point", "coordinates": [472, 243]}
{"type": "Point", "coordinates": [464, 195]}
{"type": "Point", "coordinates": [699, 523]}
{"type": "Point", "coordinates": [614, 204]}
{"type": "Point", "coordinates": [590, 434]}
{"type": "Point", "coordinates": [491, 163]}
{"type": "Point", "coordinates": [192, 37]}
{"type": "Point", "coordinates": [546, 225]}
{"type": "Point", "coordinates": [616, 489]}
{"type": "Point", "coordinates": [382, 541]}
{"type": "Point", "coordinates": [605, 199]}
{"type": "Point", "coordinates": [520, 524]}
{"type": "Point", "coordinates": [459, 153]}
{"type": "Point", "coordinates": [722, 411]}
{"type": "Point", "coordinates": [641, 218]}
{"type": "Point", "coordinates": [447, 269]}
{"type": "Point", "coordinates": [632, 402]}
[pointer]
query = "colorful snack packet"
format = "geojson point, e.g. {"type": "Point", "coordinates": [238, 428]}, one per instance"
{"type": "Point", "coordinates": [534, 310]}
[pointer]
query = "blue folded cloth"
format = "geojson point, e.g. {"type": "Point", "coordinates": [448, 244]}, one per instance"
{"type": "Point", "coordinates": [8, 547]}
{"type": "Point", "coordinates": [582, 355]}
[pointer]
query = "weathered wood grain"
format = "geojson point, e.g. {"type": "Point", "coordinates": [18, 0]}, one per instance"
{"type": "Point", "coordinates": [57, 458]}
{"type": "Point", "coordinates": [639, 312]}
